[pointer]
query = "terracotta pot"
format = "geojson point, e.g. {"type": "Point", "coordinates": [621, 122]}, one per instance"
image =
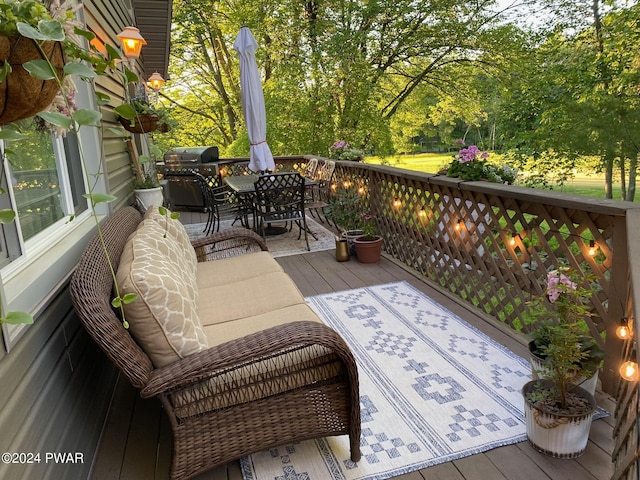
{"type": "Point", "coordinates": [556, 435]}
{"type": "Point", "coordinates": [368, 251]}
{"type": "Point", "coordinates": [21, 95]}
{"type": "Point", "coordinates": [142, 123]}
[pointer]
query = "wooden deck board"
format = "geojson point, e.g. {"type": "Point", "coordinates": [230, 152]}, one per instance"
{"type": "Point", "coordinates": [135, 434]}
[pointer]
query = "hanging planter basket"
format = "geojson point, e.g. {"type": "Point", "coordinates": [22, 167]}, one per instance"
{"type": "Point", "coordinates": [142, 123]}
{"type": "Point", "coordinates": [21, 95]}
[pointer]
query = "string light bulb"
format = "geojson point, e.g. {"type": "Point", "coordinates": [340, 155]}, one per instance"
{"type": "Point", "coordinates": [422, 212]}
{"type": "Point", "coordinates": [592, 248]}
{"type": "Point", "coordinates": [361, 190]}
{"type": "Point", "coordinates": [629, 371]}
{"type": "Point", "coordinates": [623, 331]}
{"type": "Point", "coordinates": [346, 184]}
{"type": "Point", "coordinates": [396, 202]}
{"type": "Point", "coordinates": [512, 240]}
{"type": "Point", "coordinates": [458, 226]}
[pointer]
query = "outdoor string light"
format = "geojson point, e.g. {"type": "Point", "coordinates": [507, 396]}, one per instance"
{"type": "Point", "coordinates": [396, 202]}
{"type": "Point", "coordinates": [623, 331]}
{"type": "Point", "coordinates": [512, 240]}
{"type": "Point", "coordinates": [629, 371]}
{"type": "Point", "coordinates": [458, 226]}
{"type": "Point", "coordinates": [592, 248]}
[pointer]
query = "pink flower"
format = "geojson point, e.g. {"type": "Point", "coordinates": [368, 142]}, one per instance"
{"type": "Point", "coordinates": [553, 280]}
{"type": "Point", "coordinates": [470, 153]}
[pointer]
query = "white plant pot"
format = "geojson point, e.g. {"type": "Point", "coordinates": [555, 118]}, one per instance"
{"type": "Point", "coordinates": [146, 197]}
{"type": "Point", "coordinates": [539, 371]}
{"type": "Point", "coordinates": [555, 435]}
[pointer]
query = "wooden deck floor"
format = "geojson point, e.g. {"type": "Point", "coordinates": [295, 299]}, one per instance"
{"type": "Point", "coordinates": [136, 444]}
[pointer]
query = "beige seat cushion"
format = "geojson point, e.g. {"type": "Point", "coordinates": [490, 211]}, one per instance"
{"type": "Point", "coordinates": [164, 318]}
{"type": "Point", "coordinates": [223, 332]}
{"type": "Point", "coordinates": [235, 269]}
{"type": "Point", "coordinates": [246, 298]}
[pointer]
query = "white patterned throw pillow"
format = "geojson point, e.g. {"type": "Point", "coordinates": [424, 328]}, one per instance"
{"type": "Point", "coordinates": [164, 319]}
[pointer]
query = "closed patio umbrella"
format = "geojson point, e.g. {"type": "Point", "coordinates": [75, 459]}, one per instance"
{"type": "Point", "coordinates": [260, 157]}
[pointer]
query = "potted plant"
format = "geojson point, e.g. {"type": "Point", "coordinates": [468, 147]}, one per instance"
{"type": "Point", "coordinates": [146, 185]}
{"type": "Point", "coordinates": [139, 115]}
{"type": "Point", "coordinates": [471, 163]}
{"type": "Point", "coordinates": [368, 246]}
{"type": "Point", "coordinates": [38, 49]}
{"type": "Point", "coordinates": [341, 150]}
{"type": "Point", "coordinates": [345, 210]}
{"type": "Point", "coordinates": [558, 413]}
{"type": "Point", "coordinates": [565, 303]}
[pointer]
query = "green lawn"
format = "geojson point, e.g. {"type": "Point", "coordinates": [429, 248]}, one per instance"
{"type": "Point", "coordinates": [591, 185]}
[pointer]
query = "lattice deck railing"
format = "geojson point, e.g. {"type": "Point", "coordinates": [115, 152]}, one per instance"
{"type": "Point", "coordinates": [491, 246]}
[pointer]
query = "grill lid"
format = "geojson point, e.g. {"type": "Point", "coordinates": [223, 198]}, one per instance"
{"type": "Point", "coordinates": [190, 155]}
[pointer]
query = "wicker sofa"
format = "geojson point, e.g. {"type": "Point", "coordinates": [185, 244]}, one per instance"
{"type": "Point", "coordinates": [238, 360]}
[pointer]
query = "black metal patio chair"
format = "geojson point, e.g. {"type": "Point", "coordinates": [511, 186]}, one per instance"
{"type": "Point", "coordinates": [280, 199]}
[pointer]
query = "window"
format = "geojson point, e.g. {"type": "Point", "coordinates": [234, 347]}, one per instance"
{"type": "Point", "coordinates": [45, 183]}
{"type": "Point", "coordinates": [45, 177]}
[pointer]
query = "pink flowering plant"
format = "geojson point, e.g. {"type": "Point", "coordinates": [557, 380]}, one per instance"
{"type": "Point", "coordinates": [471, 163]}
{"type": "Point", "coordinates": [347, 210]}
{"type": "Point", "coordinates": [369, 229]}
{"type": "Point", "coordinates": [341, 150]}
{"type": "Point", "coordinates": [560, 315]}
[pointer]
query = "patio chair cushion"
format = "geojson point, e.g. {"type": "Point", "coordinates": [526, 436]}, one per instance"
{"type": "Point", "coordinates": [246, 298]}
{"type": "Point", "coordinates": [175, 229]}
{"type": "Point", "coordinates": [219, 333]}
{"type": "Point", "coordinates": [235, 269]}
{"type": "Point", "coordinates": [164, 318]}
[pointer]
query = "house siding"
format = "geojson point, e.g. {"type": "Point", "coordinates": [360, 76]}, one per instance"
{"type": "Point", "coordinates": [57, 387]}
{"type": "Point", "coordinates": [57, 384]}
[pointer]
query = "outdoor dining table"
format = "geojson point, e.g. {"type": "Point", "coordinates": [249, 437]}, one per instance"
{"type": "Point", "coordinates": [245, 184]}
{"type": "Point", "coordinates": [244, 187]}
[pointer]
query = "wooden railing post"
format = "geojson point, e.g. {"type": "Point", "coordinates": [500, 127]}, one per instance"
{"type": "Point", "coordinates": [626, 432]}
{"type": "Point", "coordinates": [618, 301]}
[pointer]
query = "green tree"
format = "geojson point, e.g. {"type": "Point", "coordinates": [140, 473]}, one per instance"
{"type": "Point", "coordinates": [576, 96]}
{"type": "Point", "coordinates": [331, 70]}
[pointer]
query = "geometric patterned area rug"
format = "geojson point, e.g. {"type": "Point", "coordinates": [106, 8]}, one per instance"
{"type": "Point", "coordinates": [285, 244]}
{"type": "Point", "coordinates": [432, 389]}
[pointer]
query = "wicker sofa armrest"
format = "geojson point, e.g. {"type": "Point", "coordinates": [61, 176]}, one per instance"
{"type": "Point", "coordinates": [228, 243]}
{"type": "Point", "coordinates": [267, 343]}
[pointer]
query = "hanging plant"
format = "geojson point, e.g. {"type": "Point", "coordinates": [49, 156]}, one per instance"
{"type": "Point", "coordinates": [38, 49]}
{"type": "Point", "coordinates": [22, 95]}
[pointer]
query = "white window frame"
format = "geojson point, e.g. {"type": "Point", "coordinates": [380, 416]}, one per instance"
{"type": "Point", "coordinates": [31, 281]}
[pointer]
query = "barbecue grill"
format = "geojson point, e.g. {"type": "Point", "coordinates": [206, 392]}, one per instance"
{"type": "Point", "coordinates": [183, 191]}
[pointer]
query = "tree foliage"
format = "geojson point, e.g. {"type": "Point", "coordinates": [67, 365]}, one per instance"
{"type": "Point", "coordinates": [387, 76]}
{"type": "Point", "coordinates": [331, 70]}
